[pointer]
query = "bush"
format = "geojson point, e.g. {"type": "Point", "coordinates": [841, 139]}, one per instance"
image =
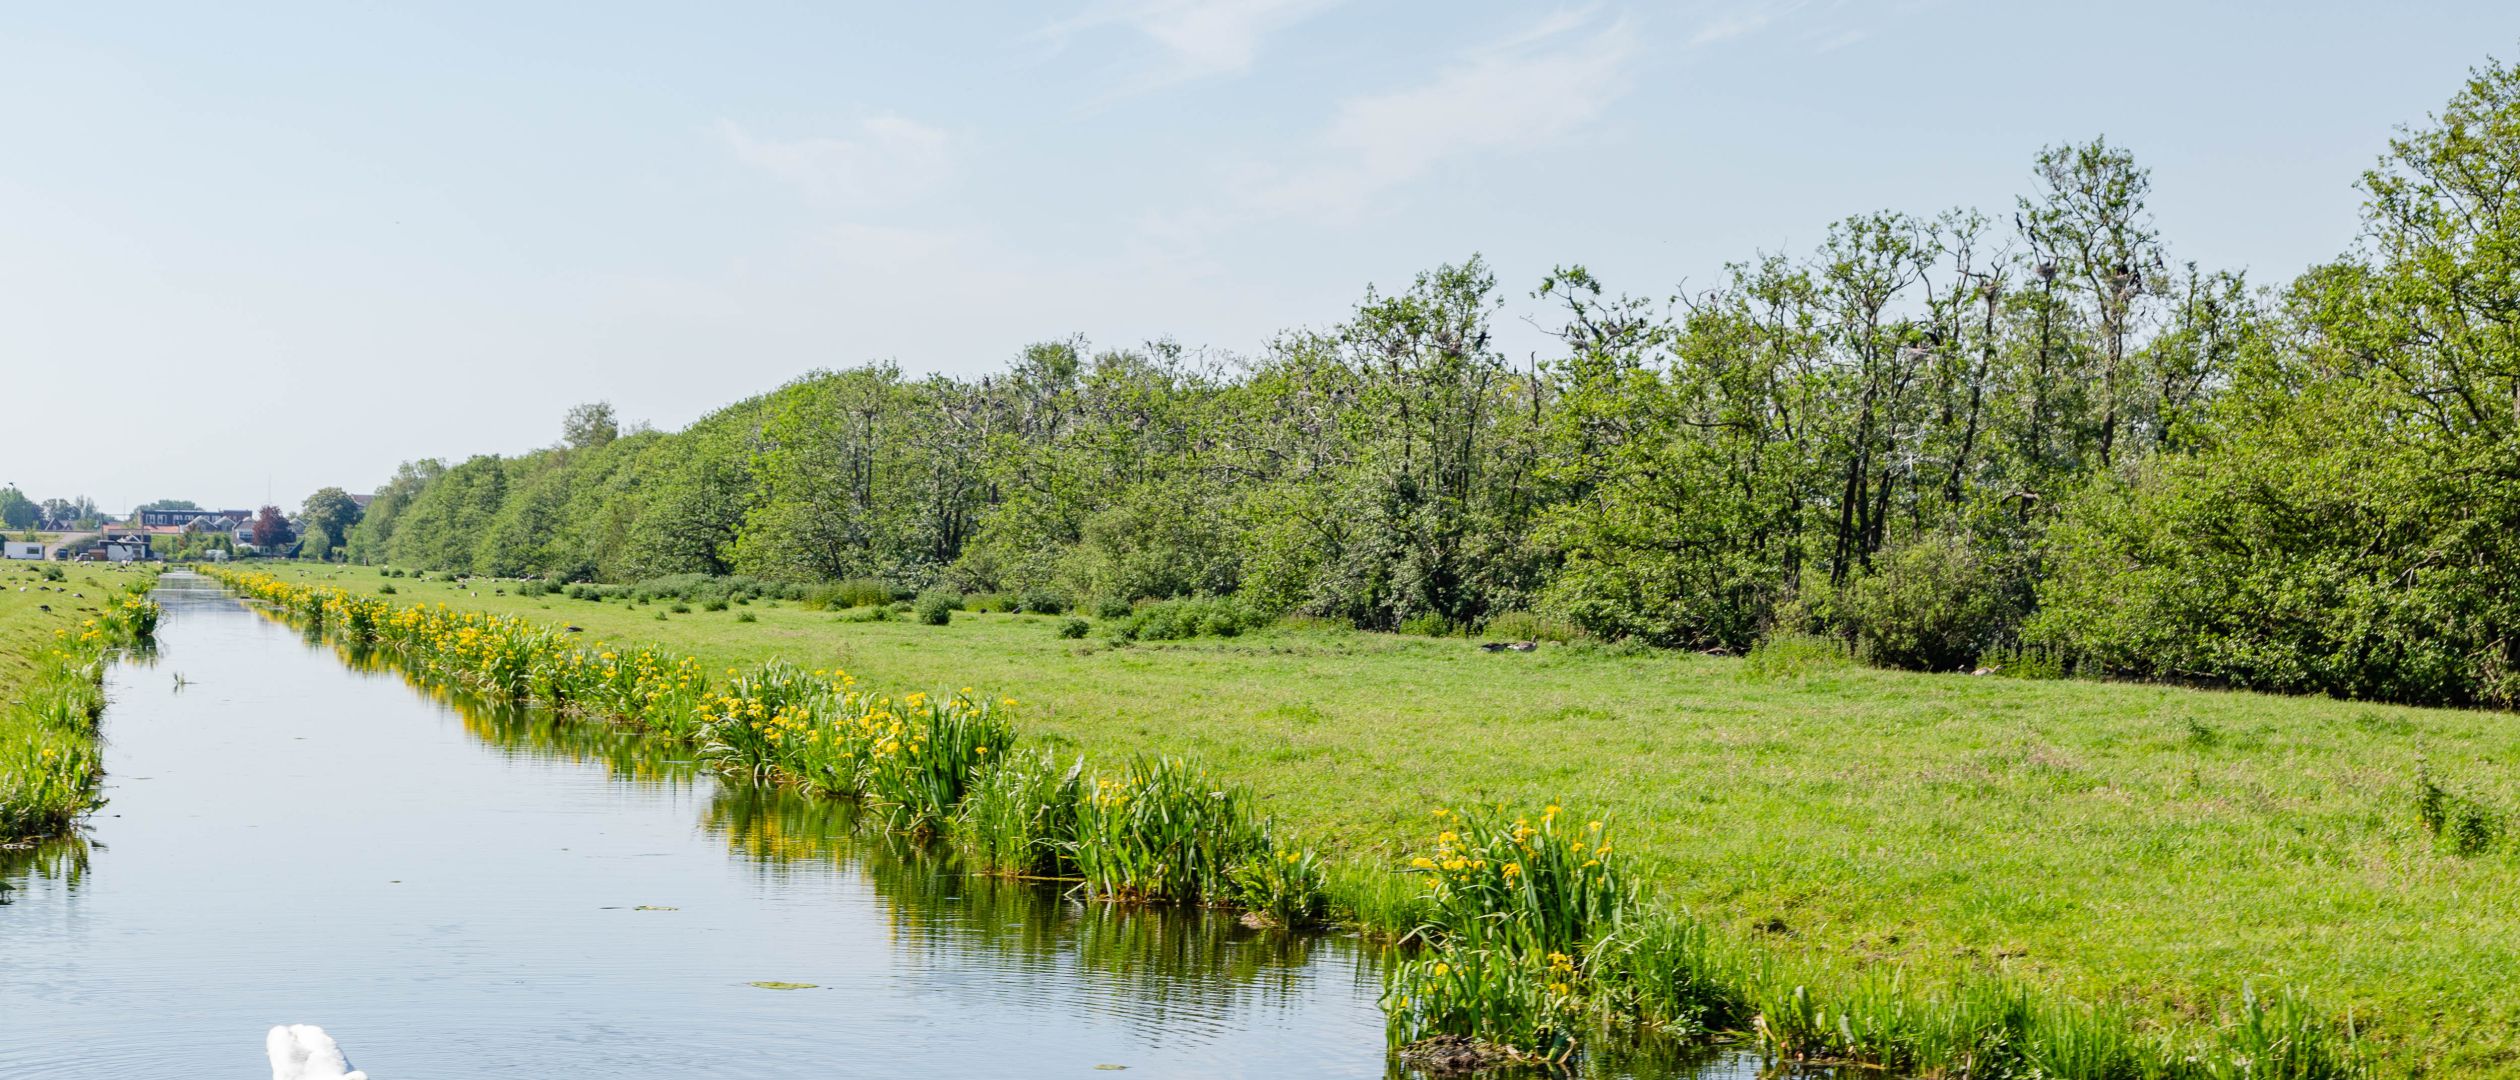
{"type": "Point", "coordinates": [935, 607]}
{"type": "Point", "coordinates": [1073, 627]}
{"type": "Point", "coordinates": [1042, 602]}
{"type": "Point", "coordinates": [746, 616]}
{"type": "Point", "coordinates": [386, 589]}
{"type": "Point", "coordinates": [989, 601]}
{"type": "Point", "coordinates": [1111, 607]}
{"type": "Point", "coordinates": [1933, 605]}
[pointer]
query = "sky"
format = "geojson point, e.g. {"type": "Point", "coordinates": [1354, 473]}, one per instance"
{"type": "Point", "coordinates": [250, 250]}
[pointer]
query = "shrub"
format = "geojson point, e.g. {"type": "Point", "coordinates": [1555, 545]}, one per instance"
{"type": "Point", "coordinates": [935, 607]}
{"type": "Point", "coordinates": [717, 603]}
{"type": "Point", "coordinates": [999, 602]}
{"type": "Point", "coordinates": [746, 616]}
{"type": "Point", "coordinates": [1933, 605]}
{"type": "Point", "coordinates": [1111, 607]}
{"type": "Point", "coordinates": [1073, 627]}
{"type": "Point", "coordinates": [1042, 602]}
{"type": "Point", "coordinates": [681, 609]}
{"type": "Point", "coordinates": [386, 589]}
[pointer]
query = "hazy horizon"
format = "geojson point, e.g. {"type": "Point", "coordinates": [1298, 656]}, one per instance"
{"type": "Point", "coordinates": [244, 255]}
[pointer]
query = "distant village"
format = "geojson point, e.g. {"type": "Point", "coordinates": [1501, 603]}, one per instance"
{"type": "Point", "coordinates": [62, 531]}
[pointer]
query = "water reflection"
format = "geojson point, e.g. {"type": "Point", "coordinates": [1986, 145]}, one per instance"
{"type": "Point", "coordinates": [62, 860]}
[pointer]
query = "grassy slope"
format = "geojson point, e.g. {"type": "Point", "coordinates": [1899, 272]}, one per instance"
{"type": "Point", "coordinates": [2146, 843]}
{"type": "Point", "coordinates": [26, 629]}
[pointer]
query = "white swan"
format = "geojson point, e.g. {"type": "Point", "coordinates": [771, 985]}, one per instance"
{"type": "Point", "coordinates": [304, 1052]}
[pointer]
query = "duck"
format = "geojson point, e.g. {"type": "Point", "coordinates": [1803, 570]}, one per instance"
{"type": "Point", "coordinates": [304, 1052]}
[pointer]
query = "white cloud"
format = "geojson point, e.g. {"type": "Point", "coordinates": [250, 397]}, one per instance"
{"type": "Point", "coordinates": [1199, 38]}
{"type": "Point", "coordinates": [1514, 95]}
{"type": "Point", "coordinates": [889, 159]}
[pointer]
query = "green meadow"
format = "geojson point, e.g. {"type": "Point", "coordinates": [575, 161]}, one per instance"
{"type": "Point", "coordinates": [2156, 847]}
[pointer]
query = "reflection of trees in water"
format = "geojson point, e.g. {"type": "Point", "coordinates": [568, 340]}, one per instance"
{"type": "Point", "coordinates": [1153, 962]}
{"type": "Point", "coordinates": [62, 858]}
{"type": "Point", "coordinates": [533, 731]}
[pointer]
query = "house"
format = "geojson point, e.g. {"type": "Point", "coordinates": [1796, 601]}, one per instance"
{"type": "Point", "coordinates": [178, 519]}
{"type": "Point", "coordinates": [29, 550]}
{"type": "Point", "coordinates": [131, 547]}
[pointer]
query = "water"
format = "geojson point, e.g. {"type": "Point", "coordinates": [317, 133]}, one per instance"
{"type": "Point", "coordinates": [457, 890]}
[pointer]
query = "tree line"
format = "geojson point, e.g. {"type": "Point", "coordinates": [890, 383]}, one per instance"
{"type": "Point", "coordinates": [2033, 434]}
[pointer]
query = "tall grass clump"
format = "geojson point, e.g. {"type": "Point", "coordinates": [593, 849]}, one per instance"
{"type": "Point", "coordinates": [1019, 817]}
{"type": "Point", "coordinates": [1525, 626]}
{"type": "Point", "coordinates": [1515, 910]}
{"type": "Point", "coordinates": [926, 752]}
{"type": "Point", "coordinates": [842, 595]}
{"type": "Point", "coordinates": [1161, 829]}
{"type": "Point", "coordinates": [1788, 654]}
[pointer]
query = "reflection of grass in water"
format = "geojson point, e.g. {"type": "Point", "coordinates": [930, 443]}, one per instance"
{"type": "Point", "coordinates": [530, 730]}
{"type": "Point", "coordinates": [60, 858]}
{"type": "Point", "coordinates": [1159, 959]}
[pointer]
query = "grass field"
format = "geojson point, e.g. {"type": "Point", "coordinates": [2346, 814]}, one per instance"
{"type": "Point", "coordinates": [47, 755]}
{"type": "Point", "coordinates": [2156, 846]}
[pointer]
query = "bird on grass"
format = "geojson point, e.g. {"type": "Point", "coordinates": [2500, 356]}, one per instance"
{"type": "Point", "coordinates": [304, 1052]}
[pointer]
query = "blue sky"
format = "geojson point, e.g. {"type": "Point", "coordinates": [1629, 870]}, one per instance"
{"type": "Point", "coordinates": [283, 246]}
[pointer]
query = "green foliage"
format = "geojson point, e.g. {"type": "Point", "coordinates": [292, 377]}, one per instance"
{"type": "Point", "coordinates": [1073, 627]}
{"type": "Point", "coordinates": [1019, 817]}
{"type": "Point", "coordinates": [2457, 822]}
{"type": "Point", "coordinates": [1525, 626]}
{"type": "Point", "coordinates": [1175, 620]}
{"type": "Point", "coordinates": [853, 593]}
{"type": "Point", "coordinates": [1924, 429]}
{"type": "Point", "coordinates": [1932, 605]}
{"type": "Point", "coordinates": [1792, 655]}
{"type": "Point", "coordinates": [1426, 625]}
{"type": "Point", "coordinates": [936, 607]}
{"type": "Point", "coordinates": [1161, 829]}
